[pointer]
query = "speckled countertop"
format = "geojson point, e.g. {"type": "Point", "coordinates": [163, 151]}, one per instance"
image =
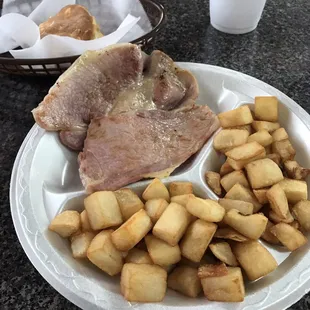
{"type": "Point", "coordinates": [278, 52]}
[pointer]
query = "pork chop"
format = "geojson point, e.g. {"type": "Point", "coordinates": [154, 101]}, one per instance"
{"type": "Point", "coordinates": [124, 148]}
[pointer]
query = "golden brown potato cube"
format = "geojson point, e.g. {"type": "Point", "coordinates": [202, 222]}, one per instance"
{"type": "Point", "coordinates": [181, 199]}
{"type": "Point", "coordinates": [229, 180]}
{"type": "Point", "coordinates": [102, 253]}
{"type": "Point", "coordinates": [243, 207]}
{"type": "Point", "coordinates": [239, 192]}
{"type": "Point", "coordinates": [132, 231]}
{"type": "Point", "coordinates": [240, 164]}
{"type": "Point", "coordinates": [213, 181]}
{"type": "Point", "coordinates": [261, 195]}
{"type": "Point", "coordinates": [266, 108]}
{"type": "Point", "coordinates": [155, 208]}
{"type": "Point", "coordinates": [212, 270]}
{"type": "Point", "coordinates": [85, 224]}
{"type": "Point", "coordinates": [156, 189]}
{"type": "Point", "coordinates": [289, 236]}
{"type": "Point", "coordinates": [129, 202]}
{"type": "Point", "coordinates": [262, 137]}
{"type": "Point", "coordinates": [226, 168]}
{"type": "Point", "coordinates": [137, 256]}
{"type": "Point", "coordinates": [205, 209]}
{"type": "Point", "coordinates": [66, 223]}
{"type": "Point", "coordinates": [251, 226]}
{"type": "Point", "coordinates": [278, 201]}
{"type": "Point", "coordinates": [263, 173]}
{"type": "Point", "coordinates": [180, 188]}
{"type": "Point", "coordinates": [228, 288]}
{"type": "Point", "coordinates": [143, 283]}
{"type": "Point", "coordinates": [80, 244]}
{"type": "Point", "coordinates": [279, 134]}
{"type": "Point", "coordinates": [277, 219]}
{"type": "Point", "coordinates": [223, 252]}
{"type": "Point", "coordinates": [295, 190]}
{"type": "Point", "coordinates": [184, 279]}
{"type": "Point", "coordinates": [295, 171]}
{"type": "Point", "coordinates": [229, 233]}
{"type": "Point", "coordinates": [301, 212]}
{"type": "Point", "coordinates": [227, 139]}
{"type": "Point", "coordinates": [172, 224]}
{"type": "Point", "coordinates": [245, 151]}
{"type": "Point", "coordinates": [255, 259]}
{"type": "Point", "coordinates": [103, 210]}
{"type": "Point", "coordinates": [284, 148]}
{"type": "Point", "coordinates": [238, 117]}
{"type": "Point", "coordinates": [263, 125]}
{"type": "Point", "coordinates": [162, 253]}
{"type": "Point", "coordinates": [275, 157]}
{"type": "Point", "coordinates": [196, 239]}
{"type": "Point", "coordinates": [268, 236]}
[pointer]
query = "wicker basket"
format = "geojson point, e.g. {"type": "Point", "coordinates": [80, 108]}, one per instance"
{"type": "Point", "coordinates": [56, 66]}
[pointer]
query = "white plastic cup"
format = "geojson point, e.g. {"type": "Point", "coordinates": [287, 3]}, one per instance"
{"type": "Point", "coordinates": [236, 16]}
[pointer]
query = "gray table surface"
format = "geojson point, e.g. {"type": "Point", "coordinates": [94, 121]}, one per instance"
{"type": "Point", "coordinates": [278, 52]}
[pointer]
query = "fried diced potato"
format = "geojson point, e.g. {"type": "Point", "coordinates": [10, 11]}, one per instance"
{"type": "Point", "coordinates": [251, 226]}
{"type": "Point", "coordinates": [263, 125]}
{"type": "Point", "coordinates": [263, 173]}
{"type": "Point", "coordinates": [243, 207]}
{"type": "Point", "coordinates": [231, 234]}
{"type": "Point", "coordinates": [213, 180]}
{"type": "Point", "coordinates": [212, 270]}
{"type": "Point", "coordinates": [162, 253]}
{"type": "Point", "coordinates": [295, 190]}
{"type": "Point", "coordinates": [238, 117]}
{"type": "Point", "coordinates": [229, 180]}
{"type": "Point", "coordinates": [255, 259]}
{"type": "Point", "coordinates": [268, 236]}
{"type": "Point", "coordinates": [226, 168]}
{"type": "Point", "coordinates": [280, 134]}
{"type": "Point", "coordinates": [137, 256]}
{"type": "Point", "coordinates": [301, 212]}
{"type": "Point", "coordinates": [196, 239]}
{"type": "Point", "coordinates": [172, 224]}
{"type": "Point", "coordinates": [262, 137]}
{"type": "Point", "coordinates": [129, 202]}
{"type": "Point", "coordinates": [284, 148]}
{"type": "Point", "coordinates": [223, 252]}
{"type": "Point", "coordinates": [289, 236]}
{"type": "Point", "coordinates": [102, 253]}
{"type": "Point", "coordinates": [248, 128]}
{"type": "Point", "coordinates": [261, 195]}
{"type": "Point", "coordinates": [66, 223]}
{"type": "Point", "coordinates": [266, 108]}
{"type": "Point", "coordinates": [227, 139]}
{"type": "Point", "coordinates": [245, 151]}
{"type": "Point", "coordinates": [228, 288]}
{"type": "Point", "coordinates": [184, 279]}
{"type": "Point", "coordinates": [103, 210]}
{"type": "Point", "coordinates": [155, 208]}
{"type": "Point", "coordinates": [85, 225]}
{"type": "Point", "coordinates": [278, 201]}
{"type": "Point", "coordinates": [277, 219]}
{"type": "Point", "coordinates": [268, 149]}
{"type": "Point", "coordinates": [239, 192]}
{"type": "Point", "coordinates": [205, 209]}
{"type": "Point", "coordinates": [181, 199]}
{"type": "Point", "coordinates": [180, 188]}
{"type": "Point", "coordinates": [132, 231]}
{"type": "Point", "coordinates": [80, 244]}
{"type": "Point", "coordinates": [295, 171]}
{"type": "Point", "coordinates": [143, 282]}
{"type": "Point", "coordinates": [156, 189]}
{"type": "Point", "coordinates": [275, 157]}
{"type": "Point", "coordinates": [240, 164]}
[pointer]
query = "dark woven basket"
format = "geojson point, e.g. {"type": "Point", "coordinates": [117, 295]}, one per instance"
{"type": "Point", "coordinates": [56, 66]}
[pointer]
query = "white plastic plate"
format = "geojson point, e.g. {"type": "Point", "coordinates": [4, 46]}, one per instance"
{"type": "Point", "coordinates": [45, 181]}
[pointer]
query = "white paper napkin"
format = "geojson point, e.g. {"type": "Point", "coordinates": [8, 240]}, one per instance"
{"type": "Point", "coordinates": [120, 21]}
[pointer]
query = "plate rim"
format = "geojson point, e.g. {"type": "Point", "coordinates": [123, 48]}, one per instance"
{"type": "Point", "coordinates": [75, 298]}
